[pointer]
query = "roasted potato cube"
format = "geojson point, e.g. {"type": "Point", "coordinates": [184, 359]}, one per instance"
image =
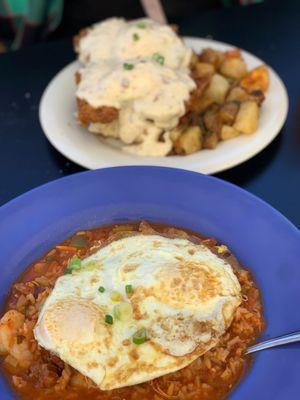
{"type": "Point", "coordinates": [228, 132]}
{"type": "Point", "coordinates": [218, 88]}
{"type": "Point", "coordinates": [257, 79]}
{"type": "Point", "coordinates": [228, 112]}
{"type": "Point", "coordinates": [204, 69]}
{"type": "Point", "coordinates": [247, 117]}
{"type": "Point", "coordinates": [175, 133]}
{"type": "Point", "coordinates": [234, 53]}
{"type": "Point", "coordinates": [194, 60]}
{"type": "Point", "coordinates": [258, 96]}
{"type": "Point", "coordinates": [212, 120]}
{"type": "Point", "coordinates": [213, 57]}
{"type": "Point", "coordinates": [203, 103]}
{"type": "Point", "coordinates": [189, 141]}
{"type": "Point", "coordinates": [237, 94]}
{"type": "Point", "coordinates": [233, 67]}
{"type": "Point", "coordinates": [210, 140]}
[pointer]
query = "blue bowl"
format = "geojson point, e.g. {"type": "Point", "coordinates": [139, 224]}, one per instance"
{"type": "Point", "coordinates": [262, 239]}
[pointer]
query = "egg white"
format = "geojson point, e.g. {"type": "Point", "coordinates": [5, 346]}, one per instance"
{"type": "Point", "coordinates": [183, 294]}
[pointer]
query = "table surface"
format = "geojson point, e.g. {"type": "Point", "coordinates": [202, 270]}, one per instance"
{"type": "Point", "coordinates": [270, 32]}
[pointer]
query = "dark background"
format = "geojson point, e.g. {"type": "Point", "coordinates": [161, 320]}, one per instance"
{"type": "Point", "coordinates": [80, 13]}
{"type": "Point", "coordinates": [270, 30]}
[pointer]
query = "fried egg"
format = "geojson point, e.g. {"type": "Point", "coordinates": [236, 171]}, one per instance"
{"type": "Point", "coordinates": [140, 307]}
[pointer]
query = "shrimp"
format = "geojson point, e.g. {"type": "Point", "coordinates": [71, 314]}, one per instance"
{"type": "Point", "coordinates": [10, 323]}
{"type": "Point", "coordinates": [18, 353]}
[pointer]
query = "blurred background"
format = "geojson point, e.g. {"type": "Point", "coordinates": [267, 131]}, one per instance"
{"type": "Point", "coordinates": [23, 22]}
{"type": "Point", "coordinates": [43, 29]}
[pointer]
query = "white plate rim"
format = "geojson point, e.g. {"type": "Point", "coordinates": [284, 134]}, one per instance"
{"type": "Point", "coordinates": [241, 153]}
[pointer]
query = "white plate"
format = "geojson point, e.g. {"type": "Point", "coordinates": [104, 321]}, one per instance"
{"type": "Point", "coordinates": [57, 109]}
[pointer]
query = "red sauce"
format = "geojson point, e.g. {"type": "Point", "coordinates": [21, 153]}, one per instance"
{"type": "Point", "coordinates": [46, 377]}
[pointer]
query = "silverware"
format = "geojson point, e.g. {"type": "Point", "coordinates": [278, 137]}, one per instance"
{"type": "Point", "coordinates": [278, 341]}
{"type": "Point", "coordinates": [154, 10]}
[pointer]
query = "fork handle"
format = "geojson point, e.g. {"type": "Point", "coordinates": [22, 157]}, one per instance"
{"type": "Point", "coordinates": [278, 341]}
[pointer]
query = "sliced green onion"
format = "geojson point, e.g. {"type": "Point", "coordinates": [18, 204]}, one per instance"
{"type": "Point", "coordinates": [128, 289]}
{"type": "Point", "coordinates": [236, 101]}
{"type": "Point", "coordinates": [74, 263]}
{"type": "Point", "coordinates": [141, 25]}
{"type": "Point", "coordinates": [109, 319]}
{"type": "Point", "coordinates": [136, 37]}
{"type": "Point", "coordinates": [128, 66]}
{"type": "Point", "coordinates": [67, 271]}
{"type": "Point", "coordinates": [158, 58]}
{"type": "Point", "coordinates": [115, 296]}
{"type": "Point", "coordinates": [117, 312]}
{"type": "Point", "coordinates": [101, 289]}
{"type": "Point", "coordinates": [78, 241]}
{"type": "Point", "coordinates": [140, 336]}
{"type": "Point", "coordinates": [123, 311]}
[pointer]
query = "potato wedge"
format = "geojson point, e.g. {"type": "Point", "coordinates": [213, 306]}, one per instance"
{"type": "Point", "coordinates": [228, 132]}
{"type": "Point", "coordinates": [247, 117]}
{"type": "Point", "coordinates": [189, 141]}
{"type": "Point", "coordinates": [234, 68]}
{"type": "Point", "coordinates": [218, 88]}
{"type": "Point", "coordinates": [257, 79]}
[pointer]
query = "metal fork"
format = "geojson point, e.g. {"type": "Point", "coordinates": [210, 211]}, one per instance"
{"type": "Point", "coordinates": [278, 341]}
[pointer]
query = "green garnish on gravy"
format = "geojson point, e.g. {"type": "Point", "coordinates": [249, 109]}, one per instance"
{"type": "Point", "coordinates": [128, 66]}
{"type": "Point", "coordinates": [158, 58]}
{"type": "Point", "coordinates": [136, 37]}
{"type": "Point", "coordinates": [128, 289]}
{"type": "Point", "coordinates": [140, 336]}
{"type": "Point", "coordinates": [73, 264]}
{"type": "Point", "coordinates": [141, 25]}
{"type": "Point", "coordinates": [109, 319]}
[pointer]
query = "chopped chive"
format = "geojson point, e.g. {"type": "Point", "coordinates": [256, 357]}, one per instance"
{"type": "Point", "coordinates": [128, 66]}
{"type": "Point", "coordinates": [117, 312]}
{"type": "Point", "coordinates": [141, 25]}
{"type": "Point", "coordinates": [128, 289]}
{"type": "Point", "coordinates": [67, 271]}
{"type": "Point", "coordinates": [74, 263]}
{"type": "Point", "coordinates": [136, 37]}
{"type": "Point", "coordinates": [101, 289]}
{"type": "Point", "coordinates": [139, 336]}
{"type": "Point", "coordinates": [109, 319]}
{"type": "Point", "coordinates": [158, 58]}
{"type": "Point", "coordinates": [123, 311]}
{"type": "Point", "coordinates": [236, 101]}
